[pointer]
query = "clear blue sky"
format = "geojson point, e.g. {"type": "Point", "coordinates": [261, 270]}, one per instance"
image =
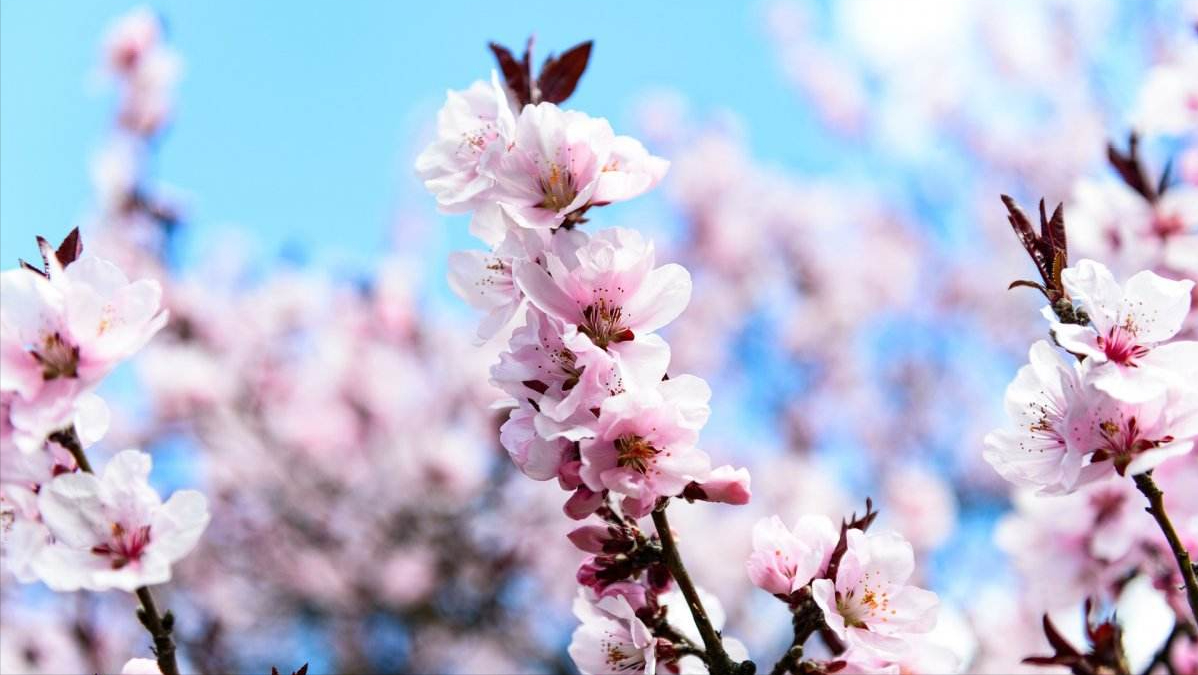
{"type": "Point", "coordinates": [298, 124]}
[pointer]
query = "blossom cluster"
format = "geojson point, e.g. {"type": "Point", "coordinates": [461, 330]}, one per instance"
{"type": "Point", "coordinates": [63, 328]}
{"type": "Point", "coordinates": [1126, 400]}
{"type": "Point", "coordinates": [591, 402]}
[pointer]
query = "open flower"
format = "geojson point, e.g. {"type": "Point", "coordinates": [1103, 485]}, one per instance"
{"type": "Point", "coordinates": [1128, 325]}
{"type": "Point", "coordinates": [471, 124]}
{"type": "Point", "coordinates": [785, 560]}
{"type": "Point", "coordinates": [611, 639]}
{"type": "Point", "coordinates": [114, 531]}
{"type": "Point", "coordinates": [561, 161]}
{"type": "Point", "coordinates": [1035, 451]}
{"type": "Point", "coordinates": [609, 291]}
{"type": "Point", "coordinates": [869, 604]}
{"type": "Point", "coordinates": [644, 446]}
{"type": "Point", "coordinates": [61, 334]}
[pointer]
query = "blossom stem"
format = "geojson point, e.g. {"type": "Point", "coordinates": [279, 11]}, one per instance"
{"type": "Point", "coordinates": [160, 630]}
{"type": "Point", "coordinates": [720, 662]}
{"type": "Point", "coordinates": [808, 620]}
{"type": "Point", "coordinates": [158, 626]}
{"type": "Point", "coordinates": [1156, 501]}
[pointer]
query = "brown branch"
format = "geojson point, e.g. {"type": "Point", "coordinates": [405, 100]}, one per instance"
{"type": "Point", "coordinates": [1156, 501]}
{"type": "Point", "coordinates": [720, 662]}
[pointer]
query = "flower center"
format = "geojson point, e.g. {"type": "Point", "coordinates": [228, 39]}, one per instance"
{"type": "Point", "coordinates": [871, 606]}
{"type": "Point", "coordinates": [602, 322]}
{"type": "Point", "coordinates": [635, 453]}
{"type": "Point", "coordinates": [125, 546]}
{"type": "Point", "coordinates": [1119, 344]}
{"type": "Point", "coordinates": [1123, 442]}
{"type": "Point", "coordinates": [557, 188]}
{"type": "Point", "coordinates": [57, 358]}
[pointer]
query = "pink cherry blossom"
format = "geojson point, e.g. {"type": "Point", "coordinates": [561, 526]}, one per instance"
{"type": "Point", "coordinates": [1129, 325]}
{"type": "Point", "coordinates": [561, 161]}
{"type": "Point", "coordinates": [611, 638]}
{"type": "Point", "coordinates": [870, 605]}
{"type": "Point", "coordinates": [644, 446]}
{"type": "Point", "coordinates": [1132, 437]}
{"type": "Point", "coordinates": [1035, 450]}
{"type": "Point", "coordinates": [609, 290]}
{"type": "Point", "coordinates": [785, 559]}
{"type": "Point", "coordinates": [567, 375]}
{"type": "Point", "coordinates": [472, 124]}
{"type": "Point", "coordinates": [113, 530]}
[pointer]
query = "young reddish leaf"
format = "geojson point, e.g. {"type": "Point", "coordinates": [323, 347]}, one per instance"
{"type": "Point", "coordinates": [70, 249]}
{"type": "Point", "coordinates": [515, 73]}
{"type": "Point", "coordinates": [559, 75]}
{"type": "Point", "coordinates": [1130, 169]}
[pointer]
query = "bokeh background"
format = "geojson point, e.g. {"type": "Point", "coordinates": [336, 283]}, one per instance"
{"type": "Point", "coordinates": [834, 191]}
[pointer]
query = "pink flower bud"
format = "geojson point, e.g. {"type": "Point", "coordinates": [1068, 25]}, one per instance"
{"type": "Point", "coordinates": [726, 485]}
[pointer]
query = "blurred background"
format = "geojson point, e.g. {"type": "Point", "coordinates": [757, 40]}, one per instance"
{"type": "Point", "coordinates": [834, 191]}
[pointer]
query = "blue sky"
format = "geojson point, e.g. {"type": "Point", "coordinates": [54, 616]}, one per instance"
{"type": "Point", "coordinates": [299, 126]}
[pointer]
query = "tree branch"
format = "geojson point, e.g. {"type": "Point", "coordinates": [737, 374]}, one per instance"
{"type": "Point", "coordinates": [1185, 565]}
{"type": "Point", "coordinates": [720, 662]}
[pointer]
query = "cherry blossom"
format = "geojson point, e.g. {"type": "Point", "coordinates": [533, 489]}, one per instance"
{"type": "Point", "coordinates": [611, 638]}
{"type": "Point", "coordinates": [787, 559]}
{"type": "Point", "coordinates": [473, 124]}
{"type": "Point", "coordinates": [562, 161]}
{"type": "Point", "coordinates": [59, 335]}
{"type": "Point", "coordinates": [1129, 325]}
{"type": "Point", "coordinates": [1035, 451]}
{"type": "Point", "coordinates": [114, 531]}
{"type": "Point", "coordinates": [644, 446]}
{"type": "Point", "coordinates": [870, 605]}
{"type": "Point", "coordinates": [609, 290]}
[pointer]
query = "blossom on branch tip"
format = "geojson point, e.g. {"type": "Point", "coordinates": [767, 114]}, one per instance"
{"type": "Point", "coordinates": [1128, 325]}
{"type": "Point", "coordinates": [113, 530]}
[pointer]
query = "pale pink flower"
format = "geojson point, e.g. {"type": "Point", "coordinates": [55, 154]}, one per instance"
{"type": "Point", "coordinates": [869, 605]}
{"type": "Point", "coordinates": [561, 161]}
{"type": "Point", "coordinates": [538, 458]}
{"type": "Point", "coordinates": [1035, 451]}
{"type": "Point", "coordinates": [784, 559]}
{"type": "Point", "coordinates": [472, 124]}
{"type": "Point", "coordinates": [77, 324]}
{"type": "Point", "coordinates": [644, 446]}
{"type": "Point", "coordinates": [113, 530]}
{"type": "Point", "coordinates": [1132, 437]}
{"type": "Point", "coordinates": [609, 290]}
{"type": "Point", "coordinates": [484, 279]}
{"type": "Point", "coordinates": [567, 375]}
{"type": "Point", "coordinates": [141, 667]}
{"type": "Point", "coordinates": [611, 639]}
{"type": "Point", "coordinates": [1128, 326]}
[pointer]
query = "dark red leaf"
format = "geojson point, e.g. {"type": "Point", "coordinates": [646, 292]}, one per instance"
{"type": "Point", "coordinates": [70, 249]}
{"type": "Point", "coordinates": [515, 73]}
{"type": "Point", "coordinates": [559, 75]}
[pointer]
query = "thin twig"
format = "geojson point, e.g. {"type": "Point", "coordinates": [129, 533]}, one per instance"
{"type": "Point", "coordinates": [720, 662]}
{"type": "Point", "coordinates": [1156, 501]}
